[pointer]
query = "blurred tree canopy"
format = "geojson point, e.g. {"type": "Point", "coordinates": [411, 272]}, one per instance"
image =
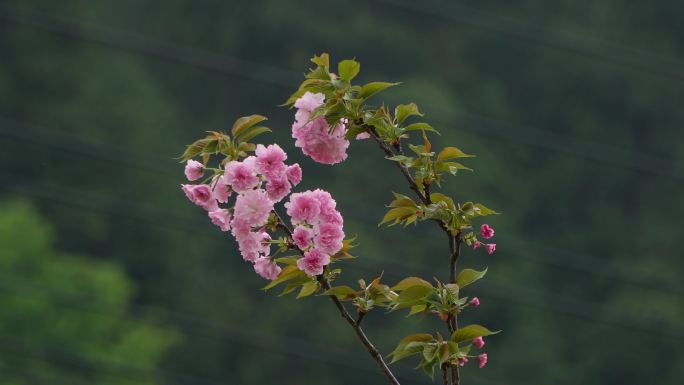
{"type": "Point", "coordinates": [66, 318]}
{"type": "Point", "coordinates": [573, 110]}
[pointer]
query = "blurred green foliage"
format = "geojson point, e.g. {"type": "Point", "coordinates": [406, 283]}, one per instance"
{"type": "Point", "coordinates": [573, 110]}
{"type": "Point", "coordinates": [65, 318]}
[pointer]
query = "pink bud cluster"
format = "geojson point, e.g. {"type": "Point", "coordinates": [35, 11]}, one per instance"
{"type": "Point", "coordinates": [486, 232]}
{"type": "Point", "coordinates": [259, 182]}
{"type": "Point", "coordinates": [316, 138]}
{"type": "Point", "coordinates": [319, 229]}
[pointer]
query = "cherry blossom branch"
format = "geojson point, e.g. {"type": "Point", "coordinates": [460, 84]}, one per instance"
{"type": "Point", "coordinates": [454, 240]}
{"type": "Point", "coordinates": [356, 325]}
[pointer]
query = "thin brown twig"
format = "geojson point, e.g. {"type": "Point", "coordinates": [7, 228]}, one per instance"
{"type": "Point", "coordinates": [325, 285]}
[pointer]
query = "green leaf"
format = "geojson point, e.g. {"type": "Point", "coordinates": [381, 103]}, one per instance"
{"type": "Point", "coordinates": [197, 147]}
{"type": "Point", "coordinates": [421, 127]}
{"type": "Point", "coordinates": [252, 132]}
{"type": "Point", "coordinates": [348, 69]}
{"type": "Point", "coordinates": [341, 292]}
{"type": "Point", "coordinates": [403, 111]}
{"type": "Point", "coordinates": [439, 197]}
{"type": "Point", "coordinates": [402, 201]}
{"type": "Point", "coordinates": [412, 296]}
{"type": "Point", "coordinates": [468, 276]}
{"type": "Point", "coordinates": [246, 122]}
{"type": "Point", "coordinates": [288, 273]}
{"type": "Point", "coordinates": [373, 88]}
{"type": "Point", "coordinates": [482, 210]}
{"type": "Point", "coordinates": [450, 167]}
{"type": "Point", "coordinates": [397, 214]}
{"type": "Point", "coordinates": [410, 345]}
{"type": "Point", "coordinates": [410, 281]}
{"type": "Point", "coordinates": [322, 60]}
{"type": "Point", "coordinates": [308, 289]}
{"type": "Point", "coordinates": [452, 153]}
{"type": "Point", "coordinates": [470, 332]}
{"type": "Point", "coordinates": [415, 309]}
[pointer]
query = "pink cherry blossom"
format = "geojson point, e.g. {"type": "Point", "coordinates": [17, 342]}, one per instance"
{"type": "Point", "coordinates": [302, 236]}
{"type": "Point", "coordinates": [294, 174]}
{"type": "Point", "coordinates": [220, 218]}
{"type": "Point", "coordinates": [476, 245]}
{"type": "Point", "coordinates": [329, 237]}
{"type": "Point", "coordinates": [479, 342]}
{"type": "Point", "coordinates": [491, 248]}
{"type": "Point", "coordinates": [201, 195]}
{"type": "Point", "coordinates": [193, 170]}
{"type": "Point", "coordinates": [240, 175]}
{"type": "Point", "coordinates": [486, 231]}
{"type": "Point", "coordinates": [278, 188]}
{"type": "Point", "coordinates": [270, 161]}
{"type": "Point", "coordinates": [266, 268]}
{"type": "Point", "coordinates": [475, 302]}
{"type": "Point", "coordinates": [316, 138]}
{"type": "Point", "coordinates": [303, 207]}
{"type": "Point", "coordinates": [462, 361]}
{"type": "Point", "coordinates": [254, 245]}
{"type": "Point", "coordinates": [313, 262]}
{"type": "Point", "coordinates": [221, 191]}
{"type": "Point", "coordinates": [309, 101]}
{"type": "Point", "coordinates": [482, 359]}
{"type": "Point", "coordinates": [363, 135]}
{"type": "Point", "coordinates": [253, 207]}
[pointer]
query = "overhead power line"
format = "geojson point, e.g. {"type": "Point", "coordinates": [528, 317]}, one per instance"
{"type": "Point", "coordinates": [559, 258]}
{"type": "Point", "coordinates": [611, 53]}
{"type": "Point", "coordinates": [531, 298]}
{"type": "Point", "coordinates": [207, 60]}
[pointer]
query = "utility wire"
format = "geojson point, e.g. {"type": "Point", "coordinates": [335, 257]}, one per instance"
{"type": "Point", "coordinates": [568, 260]}
{"type": "Point", "coordinates": [576, 309]}
{"type": "Point", "coordinates": [206, 60]}
{"type": "Point", "coordinates": [638, 60]}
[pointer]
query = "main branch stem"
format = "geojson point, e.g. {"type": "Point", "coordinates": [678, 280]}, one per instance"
{"type": "Point", "coordinates": [454, 240]}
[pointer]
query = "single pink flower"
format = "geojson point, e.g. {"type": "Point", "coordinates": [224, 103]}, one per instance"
{"type": "Point", "coordinates": [193, 170]}
{"type": "Point", "coordinates": [303, 207]}
{"type": "Point", "coordinates": [221, 191]}
{"type": "Point", "coordinates": [301, 236]}
{"type": "Point", "coordinates": [479, 342]}
{"type": "Point", "coordinates": [241, 176]}
{"type": "Point", "coordinates": [486, 231]}
{"type": "Point", "coordinates": [200, 194]}
{"type": "Point", "coordinates": [254, 245]}
{"type": "Point", "coordinates": [476, 245]}
{"type": "Point", "coordinates": [278, 188]}
{"type": "Point", "coordinates": [475, 302]}
{"type": "Point", "coordinates": [363, 135]}
{"type": "Point", "coordinates": [313, 262]}
{"type": "Point", "coordinates": [309, 101]}
{"type": "Point", "coordinates": [294, 174]}
{"type": "Point", "coordinates": [462, 361]}
{"type": "Point", "coordinates": [316, 138]}
{"type": "Point", "coordinates": [254, 207]}
{"type": "Point", "coordinates": [266, 268]}
{"type": "Point", "coordinates": [270, 161]}
{"type": "Point", "coordinates": [482, 359]}
{"type": "Point", "coordinates": [329, 237]}
{"type": "Point", "coordinates": [220, 218]}
{"type": "Point", "coordinates": [491, 247]}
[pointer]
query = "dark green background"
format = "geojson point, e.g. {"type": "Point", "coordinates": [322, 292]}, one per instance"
{"type": "Point", "coordinates": [109, 276]}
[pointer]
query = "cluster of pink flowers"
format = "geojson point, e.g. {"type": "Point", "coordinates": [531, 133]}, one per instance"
{"type": "Point", "coordinates": [486, 232]}
{"type": "Point", "coordinates": [319, 229]}
{"type": "Point", "coordinates": [316, 138]}
{"type": "Point", "coordinates": [259, 182]}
